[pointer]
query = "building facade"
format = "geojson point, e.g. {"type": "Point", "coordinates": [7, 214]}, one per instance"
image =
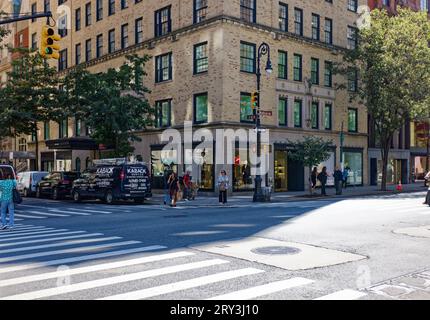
{"type": "Point", "coordinates": [203, 71]}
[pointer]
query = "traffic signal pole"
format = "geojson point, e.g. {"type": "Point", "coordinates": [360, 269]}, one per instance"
{"type": "Point", "coordinates": [26, 17]}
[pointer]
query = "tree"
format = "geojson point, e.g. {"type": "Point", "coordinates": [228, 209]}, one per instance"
{"type": "Point", "coordinates": [310, 151]}
{"type": "Point", "coordinates": [113, 104]}
{"type": "Point", "coordinates": [31, 95]}
{"type": "Point", "coordinates": [392, 60]}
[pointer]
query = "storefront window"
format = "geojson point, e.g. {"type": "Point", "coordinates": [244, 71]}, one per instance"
{"type": "Point", "coordinates": [161, 162]}
{"type": "Point", "coordinates": [203, 168]}
{"type": "Point", "coordinates": [394, 171]}
{"type": "Point", "coordinates": [354, 161]}
{"type": "Point", "coordinates": [281, 166]}
{"type": "Point", "coordinates": [242, 179]}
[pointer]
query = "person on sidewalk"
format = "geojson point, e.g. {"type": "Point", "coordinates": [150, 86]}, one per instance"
{"type": "Point", "coordinates": [322, 177]}
{"type": "Point", "coordinates": [173, 188]}
{"type": "Point", "coordinates": [314, 175]}
{"type": "Point", "coordinates": [345, 175]}
{"type": "Point", "coordinates": [223, 185]}
{"type": "Point", "coordinates": [187, 186]}
{"type": "Point", "coordinates": [427, 178]}
{"type": "Point", "coordinates": [338, 180]}
{"type": "Point", "coordinates": [6, 197]}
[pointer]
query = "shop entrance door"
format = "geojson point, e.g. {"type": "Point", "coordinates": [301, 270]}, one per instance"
{"type": "Point", "coordinates": [281, 166]}
{"type": "Point", "coordinates": [296, 176]}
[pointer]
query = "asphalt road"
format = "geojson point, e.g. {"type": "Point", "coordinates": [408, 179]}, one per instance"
{"type": "Point", "coordinates": [361, 248]}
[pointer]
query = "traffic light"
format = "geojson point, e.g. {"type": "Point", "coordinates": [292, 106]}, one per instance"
{"type": "Point", "coordinates": [254, 100]}
{"type": "Point", "coordinates": [49, 49]}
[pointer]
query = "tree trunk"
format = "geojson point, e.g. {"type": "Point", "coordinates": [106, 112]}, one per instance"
{"type": "Point", "coordinates": [37, 147]}
{"type": "Point", "coordinates": [385, 151]}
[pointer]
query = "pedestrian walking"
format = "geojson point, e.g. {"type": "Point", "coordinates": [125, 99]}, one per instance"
{"type": "Point", "coordinates": [6, 197]}
{"type": "Point", "coordinates": [345, 174]}
{"type": "Point", "coordinates": [173, 189]}
{"type": "Point", "coordinates": [223, 185]}
{"type": "Point", "coordinates": [338, 180]}
{"type": "Point", "coordinates": [187, 186]}
{"type": "Point", "coordinates": [427, 201]}
{"type": "Point", "coordinates": [322, 177]}
{"type": "Point", "coordinates": [314, 175]}
{"type": "Point", "coordinates": [166, 184]}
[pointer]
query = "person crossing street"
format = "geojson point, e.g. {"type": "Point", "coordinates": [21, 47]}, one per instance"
{"type": "Point", "coordinates": [6, 197]}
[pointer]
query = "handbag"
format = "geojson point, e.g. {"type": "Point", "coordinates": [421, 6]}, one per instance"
{"type": "Point", "coordinates": [16, 196]}
{"type": "Point", "coordinates": [222, 186]}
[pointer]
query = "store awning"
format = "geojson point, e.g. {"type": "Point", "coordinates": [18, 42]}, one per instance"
{"type": "Point", "coordinates": [22, 155]}
{"type": "Point", "coordinates": [78, 143]}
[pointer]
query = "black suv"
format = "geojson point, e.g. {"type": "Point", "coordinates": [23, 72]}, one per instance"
{"type": "Point", "coordinates": [56, 184]}
{"type": "Point", "coordinates": [111, 182]}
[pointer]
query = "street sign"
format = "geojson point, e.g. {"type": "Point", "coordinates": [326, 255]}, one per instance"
{"type": "Point", "coordinates": [261, 130]}
{"type": "Point", "coordinates": [266, 113]}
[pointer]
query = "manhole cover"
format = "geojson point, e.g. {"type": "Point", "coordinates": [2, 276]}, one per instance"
{"type": "Point", "coordinates": [276, 250]}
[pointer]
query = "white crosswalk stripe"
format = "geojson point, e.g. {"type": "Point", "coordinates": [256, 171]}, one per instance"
{"type": "Point", "coordinates": [41, 236]}
{"type": "Point", "coordinates": [27, 216]}
{"type": "Point", "coordinates": [47, 214]}
{"type": "Point", "coordinates": [347, 294]}
{"type": "Point", "coordinates": [90, 211]}
{"type": "Point", "coordinates": [50, 239]}
{"type": "Point", "coordinates": [70, 212]}
{"type": "Point", "coordinates": [8, 233]}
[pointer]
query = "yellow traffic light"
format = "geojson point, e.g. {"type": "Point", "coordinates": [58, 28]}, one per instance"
{"type": "Point", "coordinates": [49, 49]}
{"type": "Point", "coordinates": [254, 100]}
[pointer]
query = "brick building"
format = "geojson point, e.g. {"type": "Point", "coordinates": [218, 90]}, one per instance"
{"type": "Point", "coordinates": [203, 70]}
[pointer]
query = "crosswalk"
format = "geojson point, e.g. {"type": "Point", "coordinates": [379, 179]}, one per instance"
{"type": "Point", "coordinates": [38, 262]}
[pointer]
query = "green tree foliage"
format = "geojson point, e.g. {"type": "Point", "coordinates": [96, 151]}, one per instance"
{"type": "Point", "coordinates": [310, 151]}
{"type": "Point", "coordinates": [31, 95]}
{"type": "Point", "coordinates": [113, 103]}
{"type": "Point", "coordinates": [392, 60]}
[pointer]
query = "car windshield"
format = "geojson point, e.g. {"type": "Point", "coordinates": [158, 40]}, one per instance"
{"type": "Point", "coordinates": [5, 172]}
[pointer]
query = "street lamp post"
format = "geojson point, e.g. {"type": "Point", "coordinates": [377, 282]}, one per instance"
{"type": "Point", "coordinates": [263, 49]}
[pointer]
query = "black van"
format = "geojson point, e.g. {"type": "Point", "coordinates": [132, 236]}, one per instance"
{"type": "Point", "coordinates": [110, 182]}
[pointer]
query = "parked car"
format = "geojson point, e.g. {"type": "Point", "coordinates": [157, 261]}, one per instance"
{"type": "Point", "coordinates": [27, 181]}
{"type": "Point", "coordinates": [56, 184]}
{"type": "Point", "coordinates": [6, 170]}
{"type": "Point", "coordinates": [110, 182]}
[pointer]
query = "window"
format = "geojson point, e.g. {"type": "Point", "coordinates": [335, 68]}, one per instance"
{"type": "Point", "coordinates": [33, 10]}
{"type": "Point", "coordinates": [424, 5]}
{"type": "Point", "coordinates": [352, 120]}
{"type": "Point", "coordinates": [46, 6]}
{"type": "Point", "coordinates": [352, 5]}
{"type": "Point", "coordinates": [78, 127]}
{"type": "Point", "coordinates": [46, 131]}
{"type": "Point", "coordinates": [63, 129]}
{"type": "Point", "coordinates": [327, 116]}
{"type": "Point", "coordinates": [88, 55]}
{"type": "Point", "coordinates": [315, 27]}
{"type": "Point", "coordinates": [22, 144]}
{"type": "Point", "coordinates": [247, 57]}
{"type": "Point", "coordinates": [34, 41]}
{"type": "Point", "coordinates": [248, 11]}
{"type": "Point", "coordinates": [62, 61]}
{"type": "Point", "coordinates": [386, 3]}
{"type": "Point", "coordinates": [315, 115]}
{"type": "Point", "coordinates": [297, 67]}
{"type": "Point", "coordinates": [246, 111]}
{"type": "Point", "coordinates": [352, 38]}
{"type": "Point", "coordinates": [124, 4]}
{"type": "Point", "coordinates": [282, 65]}
{"type": "Point", "coordinates": [138, 30]}
{"type": "Point", "coordinates": [99, 10]}
{"type": "Point", "coordinates": [298, 113]}
{"type": "Point", "coordinates": [163, 113]}
{"type": "Point", "coordinates": [124, 36]}
{"type": "Point", "coordinates": [298, 21]}
{"type": "Point", "coordinates": [283, 16]}
{"type": "Point", "coordinates": [78, 165]}
{"type": "Point", "coordinates": [78, 54]}
{"type": "Point", "coordinates": [315, 71]}
{"type": "Point", "coordinates": [111, 46]}
{"type": "Point", "coordinates": [283, 112]}
{"type": "Point", "coordinates": [328, 31]}
{"type": "Point", "coordinates": [111, 9]}
{"type": "Point", "coordinates": [352, 80]}
{"type": "Point", "coordinates": [328, 73]}
{"type": "Point", "coordinates": [88, 14]}
{"type": "Point", "coordinates": [201, 108]}
{"type": "Point", "coordinates": [163, 65]}
{"type": "Point", "coordinates": [201, 58]}
{"type": "Point", "coordinates": [163, 23]}
{"type": "Point", "coordinates": [200, 10]}
{"type": "Point", "coordinates": [99, 46]}
{"type": "Point", "coordinates": [78, 19]}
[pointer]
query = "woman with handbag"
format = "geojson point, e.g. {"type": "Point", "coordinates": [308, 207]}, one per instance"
{"type": "Point", "coordinates": [7, 188]}
{"type": "Point", "coordinates": [223, 185]}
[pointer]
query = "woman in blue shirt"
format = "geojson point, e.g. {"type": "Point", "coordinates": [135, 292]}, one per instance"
{"type": "Point", "coordinates": [6, 198]}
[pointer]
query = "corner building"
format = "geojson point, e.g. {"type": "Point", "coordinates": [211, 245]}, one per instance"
{"type": "Point", "coordinates": [203, 70]}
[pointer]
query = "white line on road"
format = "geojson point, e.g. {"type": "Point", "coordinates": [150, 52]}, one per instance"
{"type": "Point", "coordinates": [113, 280]}
{"type": "Point", "coordinates": [51, 239]}
{"type": "Point", "coordinates": [263, 290]}
{"type": "Point", "coordinates": [80, 258]}
{"type": "Point", "coordinates": [91, 211]}
{"type": "Point", "coordinates": [60, 244]}
{"type": "Point", "coordinates": [8, 234]}
{"type": "Point", "coordinates": [42, 236]}
{"type": "Point", "coordinates": [182, 285]}
{"type": "Point", "coordinates": [347, 294]}
{"type": "Point", "coordinates": [48, 214]}
{"type": "Point", "coordinates": [94, 268]}
{"type": "Point", "coordinates": [70, 212]}
{"type": "Point", "coordinates": [79, 249]}
{"type": "Point", "coordinates": [27, 216]}
{"type": "Point", "coordinates": [26, 228]}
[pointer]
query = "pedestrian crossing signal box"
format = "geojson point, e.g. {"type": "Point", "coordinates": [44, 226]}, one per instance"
{"type": "Point", "coordinates": [49, 48]}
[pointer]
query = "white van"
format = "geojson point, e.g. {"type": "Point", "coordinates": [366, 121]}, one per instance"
{"type": "Point", "coordinates": [27, 181]}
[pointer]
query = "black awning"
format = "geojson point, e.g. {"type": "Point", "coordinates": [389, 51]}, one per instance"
{"type": "Point", "coordinates": [72, 144]}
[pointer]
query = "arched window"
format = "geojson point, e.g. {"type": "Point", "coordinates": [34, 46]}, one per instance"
{"type": "Point", "coordinates": [88, 162]}
{"type": "Point", "coordinates": [78, 164]}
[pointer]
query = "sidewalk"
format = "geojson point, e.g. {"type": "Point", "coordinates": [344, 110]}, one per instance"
{"type": "Point", "coordinates": [349, 192]}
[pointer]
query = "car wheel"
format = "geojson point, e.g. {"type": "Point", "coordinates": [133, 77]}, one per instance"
{"type": "Point", "coordinates": [26, 192]}
{"type": "Point", "coordinates": [38, 195]}
{"type": "Point", "coordinates": [109, 197]}
{"type": "Point", "coordinates": [55, 194]}
{"type": "Point", "coordinates": [76, 196]}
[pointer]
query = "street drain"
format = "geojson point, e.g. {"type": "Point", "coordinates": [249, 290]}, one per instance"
{"type": "Point", "coordinates": [276, 250]}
